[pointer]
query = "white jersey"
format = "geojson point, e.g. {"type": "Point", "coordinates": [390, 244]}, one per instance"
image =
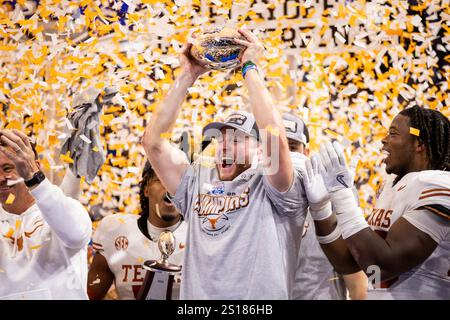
{"type": "Point", "coordinates": [42, 255]}
{"type": "Point", "coordinates": [423, 199]}
{"type": "Point", "coordinates": [125, 248]}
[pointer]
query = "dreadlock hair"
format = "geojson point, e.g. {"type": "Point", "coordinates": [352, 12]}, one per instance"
{"type": "Point", "coordinates": [434, 132]}
{"type": "Point", "coordinates": [147, 175]}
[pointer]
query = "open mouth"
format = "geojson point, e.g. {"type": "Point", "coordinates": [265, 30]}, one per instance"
{"type": "Point", "coordinates": [166, 200]}
{"type": "Point", "coordinates": [227, 162]}
{"type": "Point", "coordinates": [386, 154]}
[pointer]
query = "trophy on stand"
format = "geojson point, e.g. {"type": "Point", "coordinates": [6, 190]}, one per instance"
{"type": "Point", "coordinates": [159, 279]}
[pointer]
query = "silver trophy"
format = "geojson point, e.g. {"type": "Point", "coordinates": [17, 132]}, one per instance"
{"type": "Point", "coordinates": [215, 48]}
{"type": "Point", "coordinates": [159, 279]}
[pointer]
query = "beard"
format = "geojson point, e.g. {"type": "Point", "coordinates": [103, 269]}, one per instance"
{"type": "Point", "coordinates": [169, 217]}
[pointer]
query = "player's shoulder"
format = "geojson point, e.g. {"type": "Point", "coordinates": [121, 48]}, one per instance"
{"type": "Point", "coordinates": [432, 191]}
{"type": "Point", "coordinates": [429, 183]}
{"type": "Point", "coordinates": [433, 178]}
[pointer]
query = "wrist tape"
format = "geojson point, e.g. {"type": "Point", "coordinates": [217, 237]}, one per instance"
{"type": "Point", "coordinates": [320, 211]}
{"type": "Point", "coordinates": [349, 216]}
{"type": "Point", "coordinates": [330, 237]}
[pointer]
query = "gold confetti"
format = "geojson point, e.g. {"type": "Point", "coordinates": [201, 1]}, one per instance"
{"type": "Point", "coordinates": [66, 158]}
{"type": "Point", "coordinates": [273, 131]}
{"type": "Point", "coordinates": [36, 247]}
{"type": "Point", "coordinates": [332, 133]}
{"type": "Point", "coordinates": [166, 135]}
{"type": "Point", "coordinates": [414, 131]}
{"type": "Point", "coordinates": [351, 72]}
{"type": "Point", "coordinates": [10, 199]}
{"type": "Point", "coordinates": [10, 233]}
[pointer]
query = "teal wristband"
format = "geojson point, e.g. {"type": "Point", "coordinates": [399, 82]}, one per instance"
{"type": "Point", "coordinates": [248, 65]}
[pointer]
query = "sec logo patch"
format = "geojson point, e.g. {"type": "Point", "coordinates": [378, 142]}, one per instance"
{"type": "Point", "coordinates": [121, 243]}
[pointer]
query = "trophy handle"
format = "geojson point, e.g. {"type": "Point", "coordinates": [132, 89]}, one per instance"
{"type": "Point", "coordinates": [162, 265]}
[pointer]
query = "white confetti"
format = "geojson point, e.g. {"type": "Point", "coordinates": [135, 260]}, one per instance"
{"type": "Point", "coordinates": [14, 182]}
{"type": "Point", "coordinates": [85, 139]}
{"type": "Point", "coordinates": [350, 89]}
{"type": "Point", "coordinates": [69, 124]}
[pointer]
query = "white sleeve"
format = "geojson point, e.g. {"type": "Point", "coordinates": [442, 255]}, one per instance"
{"type": "Point", "coordinates": [98, 238]}
{"type": "Point", "coordinates": [71, 185]}
{"type": "Point", "coordinates": [184, 193]}
{"type": "Point", "coordinates": [437, 227]}
{"type": "Point", "coordinates": [65, 216]}
{"type": "Point", "coordinates": [291, 202]}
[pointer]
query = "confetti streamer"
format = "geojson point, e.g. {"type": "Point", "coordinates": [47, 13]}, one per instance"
{"type": "Point", "coordinates": [10, 199]}
{"type": "Point", "coordinates": [414, 131]}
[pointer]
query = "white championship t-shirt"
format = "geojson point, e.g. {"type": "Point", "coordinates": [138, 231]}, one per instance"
{"type": "Point", "coordinates": [243, 236]}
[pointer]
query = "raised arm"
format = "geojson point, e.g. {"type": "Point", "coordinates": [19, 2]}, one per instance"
{"type": "Point", "coordinates": [70, 185]}
{"type": "Point", "coordinates": [168, 161]}
{"type": "Point", "coordinates": [277, 160]}
{"type": "Point", "coordinates": [65, 216]}
{"type": "Point", "coordinates": [327, 231]}
{"type": "Point", "coordinates": [405, 245]}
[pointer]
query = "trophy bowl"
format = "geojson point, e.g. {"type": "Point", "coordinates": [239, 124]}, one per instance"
{"type": "Point", "coordinates": [215, 49]}
{"type": "Point", "coordinates": [166, 245]}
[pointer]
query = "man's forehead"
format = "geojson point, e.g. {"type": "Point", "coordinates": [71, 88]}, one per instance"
{"type": "Point", "coordinates": [399, 122]}
{"type": "Point", "coordinates": [232, 131]}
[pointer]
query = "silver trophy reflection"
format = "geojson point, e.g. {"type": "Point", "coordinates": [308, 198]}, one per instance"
{"type": "Point", "coordinates": [159, 279]}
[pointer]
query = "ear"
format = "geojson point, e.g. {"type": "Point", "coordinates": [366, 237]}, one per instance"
{"type": "Point", "coordinates": [307, 152]}
{"type": "Point", "coordinates": [420, 146]}
{"type": "Point", "coordinates": [147, 189]}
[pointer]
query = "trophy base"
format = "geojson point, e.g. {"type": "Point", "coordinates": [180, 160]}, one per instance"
{"type": "Point", "coordinates": [158, 281]}
{"type": "Point", "coordinates": [165, 266]}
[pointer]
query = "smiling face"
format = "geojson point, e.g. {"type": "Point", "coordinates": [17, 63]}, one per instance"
{"type": "Point", "coordinates": [162, 212]}
{"type": "Point", "coordinates": [234, 153]}
{"type": "Point", "coordinates": [400, 147]}
{"type": "Point", "coordinates": [8, 175]}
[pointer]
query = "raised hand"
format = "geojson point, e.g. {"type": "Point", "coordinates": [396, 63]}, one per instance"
{"type": "Point", "coordinates": [16, 146]}
{"type": "Point", "coordinates": [255, 48]}
{"type": "Point", "coordinates": [188, 63]}
{"type": "Point", "coordinates": [336, 174]}
{"type": "Point", "coordinates": [316, 192]}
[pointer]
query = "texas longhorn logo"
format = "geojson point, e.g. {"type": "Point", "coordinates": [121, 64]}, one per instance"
{"type": "Point", "coordinates": [214, 210]}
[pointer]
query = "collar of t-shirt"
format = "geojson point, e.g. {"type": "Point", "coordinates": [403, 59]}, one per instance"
{"type": "Point", "coordinates": [154, 232]}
